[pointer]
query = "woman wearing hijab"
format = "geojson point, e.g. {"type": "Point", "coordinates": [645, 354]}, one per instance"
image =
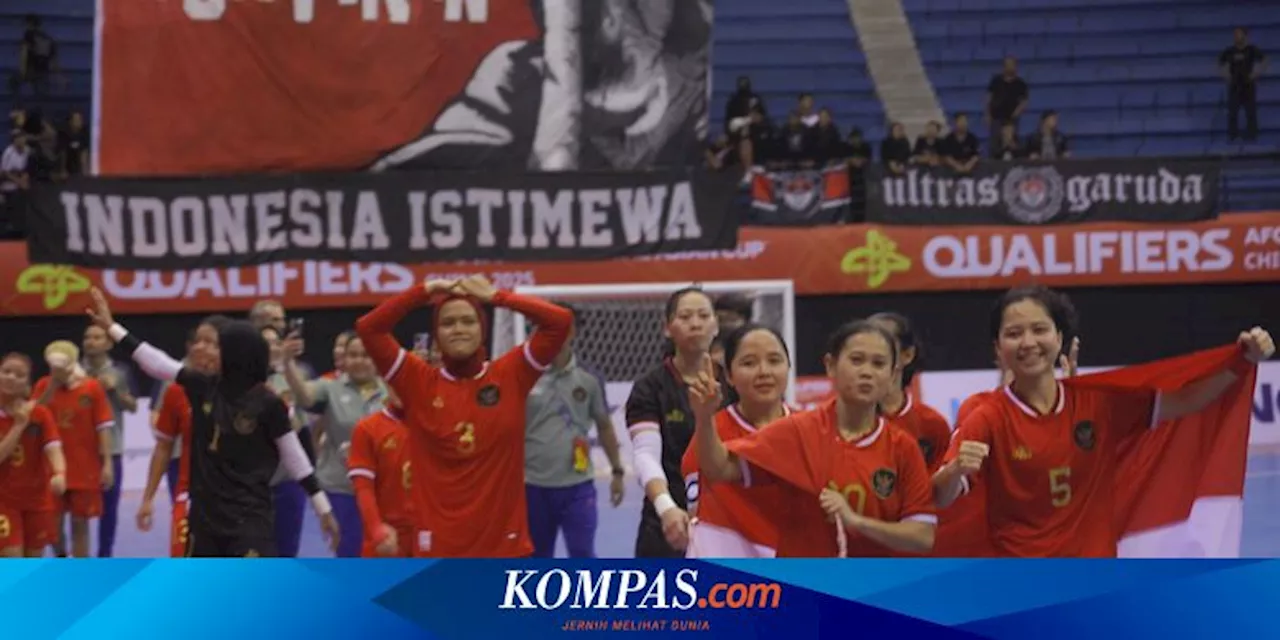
{"type": "Point", "coordinates": [466, 419]}
{"type": "Point", "coordinates": [239, 435]}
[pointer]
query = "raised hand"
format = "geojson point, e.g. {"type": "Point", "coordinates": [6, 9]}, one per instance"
{"type": "Point", "coordinates": [1069, 362]}
{"type": "Point", "coordinates": [1258, 345]}
{"type": "Point", "coordinates": [100, 311]}
{"type": "Point", "coordinates": [704, 391]}
{"type": "Point", "coordinates": [971, 456]}
{"type": "Point", "coordinates": [439, 286]}
{"type": "Point", "coordinates": [478, 287]}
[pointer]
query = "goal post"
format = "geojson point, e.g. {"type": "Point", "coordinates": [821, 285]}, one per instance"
{"type": "Point", "coordinates": [620, 326]}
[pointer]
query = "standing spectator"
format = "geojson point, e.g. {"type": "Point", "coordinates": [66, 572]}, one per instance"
{"type": "Point", "coordinates": [1007, 147]}
{"type": "Point", "coordinates": [804, 107]}
{"type": "Point", "coordinates": [42, 137]}
{"type": "Point", "coordinates": [960, 147]}
{"type": "Point", "coordinates": [895, 151]}
{"type": "Point", "coordinates": [824, 139]}
{"type": "Point", "coordinates": [559, 477]}
{"type": "Point", "coordinates": [37, 59]}
{"type": "Point", "coordinates": [15, 180]}
{"type": "Point", "coordinates": [117, 382]}
{"type": "Point", "coordinates": [1047, 143]}
{"type": "Point", "coordinates": [268, 313]}
{"type": "Point", "coordinates": [1007, 96]}
{"type": "Point", "coordinates": [1242, 64]}
{"type": "Point", "coordinates": [928, 149]}
{"type": "Point", "coordinates": [741, 104]}
{"type": "Point", "coordinates": [756, 139]}
{"type": "Point", "coordinates": [857, 157]}
{"type": "Point", "coordinates": [721, 154]}
{"type": "Point", "coordinates": [73, 147]}
{"type": "Point", "coordinates": [794, 142]}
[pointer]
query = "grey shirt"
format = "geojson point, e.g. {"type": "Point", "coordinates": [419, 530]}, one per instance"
{"type": "Point", "coordinates": [341, 405]}
{"type": "Point", "coordinates": [562, 407]}
{"type": "Point", "coordinates": [123, 384]}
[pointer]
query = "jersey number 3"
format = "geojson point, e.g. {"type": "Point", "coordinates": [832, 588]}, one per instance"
{"type": "Point", "coordinates": [466, 437]}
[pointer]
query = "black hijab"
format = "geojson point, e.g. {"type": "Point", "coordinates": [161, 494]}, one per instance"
{"type": "Point", "coordinates": [246, 360]}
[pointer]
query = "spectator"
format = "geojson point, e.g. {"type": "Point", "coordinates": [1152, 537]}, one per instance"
{"type": "Point", "coordinates": [755, 138]}
{"type": "Point", "coordinates": [1242, 64]}
{"type": "Point", "coordinates": [928, 149]}
{"type": "Point", "coordinates": [1047, 143]}
{"type": "Point", "coordinates": [794, 142]}
{"type": "Point", "coordinates": [732, 311]}
{"type": "Point", "coordinates": [895, 151]}
{"type": "Point", "coordinates": [960, 147]}
{"type": "Point", "coordinates": [42, 137]}
{"type": "Point", "coordinates": [1007, 147]}
{"type": "Point", "coordinates": [721, 154]}
{"type": "Point", "coordinates": [15, 180]}
{"type": "Point", "coordinates": [857, 157]}
{"type": "Point", "coordinates": [824, 139]}
{"type": "Point", "coordinates": [73, 147]}
{"type": "Point", "coordinates": [741, 104]}
{"type": "Point", "coordinates": [268, 313]}
{"type": "Point", "coordinates": [1007, 96]}
{"type": "Point", "coordinates": [804, 107]}
{"type": "Point", "coordinates": [37, 59]}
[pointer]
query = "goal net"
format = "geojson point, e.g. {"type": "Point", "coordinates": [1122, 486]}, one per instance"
{"type": "Point", "coordinates": [620, 326]}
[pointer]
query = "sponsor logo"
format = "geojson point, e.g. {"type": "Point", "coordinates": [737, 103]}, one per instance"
{"type": "Point", "coordinates": [878, 260]}
{"type": "Point", "coordinates": [612, 589]}
{"type": "Point", "coordinates": [53, 283]}
{"type": "Point", "coordinates": [1021, 453]}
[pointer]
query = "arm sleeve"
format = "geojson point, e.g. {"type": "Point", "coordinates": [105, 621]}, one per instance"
{"type": "Point", "coordinates": [103, 417]}
{"type": "Point", "coordinates": [398, 366]}
{"type": "Point", "coordinates": [367, 503]}
{"type": "Point", "coordinates": [361, 463]}
{"type": "Point", "coordinates": [644, 424]}
{"type": "Point", "coordinates": [646, 447]}
{"type": "Point", "coordinates": [166, 426]}
{"type": "Point", "coordinates": [49, 434]}
{"type": "Point", "coordinates": [917, 485]}
{"type": "Point", "coordinates": [156, 363]}
{"type": "Point", "coordinates": [552, 327]}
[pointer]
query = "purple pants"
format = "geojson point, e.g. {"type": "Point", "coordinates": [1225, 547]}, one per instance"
{"type": "Point", "coordinates": [568, 509]}
{"type": "Point", "coordinates": [291, 506]}
{"type": "Point", "coordinates": [350, 526]}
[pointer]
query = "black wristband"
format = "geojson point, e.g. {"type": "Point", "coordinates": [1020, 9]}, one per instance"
{"type": "Point", "coordinates": [619, 472]}
{"type": "Point", "coordinates": [129, 343]}
{"type": "Point", "coordinates": [310, 484]}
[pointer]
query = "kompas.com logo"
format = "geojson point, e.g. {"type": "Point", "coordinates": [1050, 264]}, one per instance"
{"type": "Point", "coordinates": [878, 258]}
{"type": "Point", "coordinates": [54, 283]}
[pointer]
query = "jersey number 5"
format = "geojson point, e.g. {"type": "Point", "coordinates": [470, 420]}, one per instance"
{"type": "Point", "coordinates": [854, 494]}
{"type": "Point", "coordinates": [406, 476]}
{"type": "Point", "coordinates": [1060, 486]}
{"type": "Point", "coordinates": [466, 437]}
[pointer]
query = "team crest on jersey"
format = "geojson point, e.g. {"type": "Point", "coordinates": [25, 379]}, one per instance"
{"type": "Point", "coordinates": [926, 448]}
{"type": "Point", "coordinates": [207, 407]}
{"type": "Point", "coordinates": [580, 394]}
{"type": "Point", "coordinates": [488, 396]}
{"type": "Point", "coordinates": [675, 415]}
{"type": "Point", "coordinates": [243, 424]}
{"type": "Point", "coordinates": [1084, 435]}
{"type": "Point", "coordinates": [85, 401]}
{"type": "Point", "coordinates": [883, 481]}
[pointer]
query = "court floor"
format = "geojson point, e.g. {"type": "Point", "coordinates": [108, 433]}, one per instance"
{"type": "Point", "coordinates": [615, 537]}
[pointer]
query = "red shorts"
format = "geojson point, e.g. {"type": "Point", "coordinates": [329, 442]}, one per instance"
{"type": "Point", "coordinates": [405, 537]}
{"type": "Point", "coordinates": [81, 503]}
{"type": "Point", "coordinates": [27, 530]}
{"type": "Point", "coordinates": [179, 530]}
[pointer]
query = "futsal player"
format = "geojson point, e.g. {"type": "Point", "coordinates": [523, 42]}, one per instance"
{"type": "Point", "coordinates": [239, 435]}
{"type": "Point", "coordinates": [32, 469]}
{"type": "Point", "coordinates": [382, 476]}
{"type": "Point", "coordinates": [117, 383]}
{"type": "Point", "coordinates": [1050, 491]}
{"type": "Point", "coordinates": [660, 422]}
{"type": "Point", "coordinates": [837, 462]}
{"type": "Point", "coordinates": [902, 410]}
{"type": "Point", "coordinates": [466, 418]}
{"type": "Point", "coordinates": [733, 521]}
{"type": "Point", "coordinates": [83, 413]}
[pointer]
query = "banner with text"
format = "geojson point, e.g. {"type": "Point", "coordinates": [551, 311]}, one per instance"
{"type": "Point", "coordinates": [393, 217]}
{"type": "Point", "coordinates": [846, 259]}
{"type": "Point", "coordinates": [1094, 190]}
{"type": "Point", "coordinates": [306, 85]}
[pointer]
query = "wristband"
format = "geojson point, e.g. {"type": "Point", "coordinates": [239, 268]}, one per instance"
{"type": "Point", "coordinates": [663, 503]}
{"type": "Point", "coordinates": [117, 332]}
{"type": "Point", "coordinates": [320, 502]}
{"type": "Point", "coordinates": [619, 472]}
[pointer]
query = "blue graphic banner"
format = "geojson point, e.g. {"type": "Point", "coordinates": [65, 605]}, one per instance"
{"type": "Point", "coordinates": [527, 600]}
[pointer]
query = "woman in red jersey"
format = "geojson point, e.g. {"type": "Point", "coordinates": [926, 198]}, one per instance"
{"type": "Point", "coordinates": [903, 410]}
{"type": "Point", "coordinates": [837, 462]}
{"type": "Point", "coordinates": [382, 476]}
{"type": "Point", "coordinates": [32, 469]}
{"type": "Point", "coordinates": [1050, 487]}
{"type": "Point", "coordinates": [733, 521]}
{"type": "Point", "coordinates": [467, 418]}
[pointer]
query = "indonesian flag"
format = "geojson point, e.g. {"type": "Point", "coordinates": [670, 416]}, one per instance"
{"type": "Point", "coordinates": [1180, 486]}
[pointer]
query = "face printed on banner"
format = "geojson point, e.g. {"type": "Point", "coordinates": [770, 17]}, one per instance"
{"type": "Point", "coordinates": [759, 369]}
{"type": "Point", "coordinates": [863, 370]}
{"type": "Point", "coordinates": [1029, 341]}
{"type": "Point", "coordinates": [692, 324]}
{"type": "Point", "coordinates": [15, 377]}
{"type": "Point", "coordinates": [458, 329]}
{"type": "Point", "coordinates": [359, 367]}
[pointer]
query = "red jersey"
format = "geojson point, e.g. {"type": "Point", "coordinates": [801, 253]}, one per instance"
{"type": "Point", "coordinates": [962, 526]}
{"type": "Point", "coordinates": [173, 422]}
{"type": "Point", "coordinates": [467, 435]}
{"type": "Point", "coordinates": [927, 426]}
{"type": "Point", "coordinates": [882, 475]}
{"type": "Point", "coordinates": [1050, 479]}
{"type": "Point", "coordinates": [81, 414]}
{"type": "Point", "coordinates": [380, 454]}
{"type": "Point", "coordinates": [726, 511]}
{"type": "Point", "coordinates": [24, 475]}
{"type": "Point", "coordinates": [972, 403]}
{"type": "Point", "coordinates": [331, 375]}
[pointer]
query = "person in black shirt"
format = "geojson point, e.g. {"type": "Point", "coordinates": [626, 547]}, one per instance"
{"type": "Point", "coordinates": [1007, 96]}
{"type": "Point", "coordinates": [960, 148]}
{"type": "Point", "coordinates": [895, 151]}
{"type": "Point", "coordinates": [824, 139]}
{"type": "Point", "coordinates": [37, 59]}
{"type": "Point", "coordinates": [928, 149]}
{"type": "Point", "coordinates": [741, 104]}
{"type": "Point", "coordinates": [73, 146]}
{"type": "Point", "coordinates": [794, 142]}
{"type": "Point", "coordinates": [660, 422]}
{"type": "Point", "coordinates": [857, 157]}
{"type": "Point", "coordinates": [239, 435]}
{"type": "Point", "coordinates": [1007, 147]}
{"type": "Point", "coordinates": [1047, 142]}
{"type": "Point", "coordinates": [1241, 64]}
